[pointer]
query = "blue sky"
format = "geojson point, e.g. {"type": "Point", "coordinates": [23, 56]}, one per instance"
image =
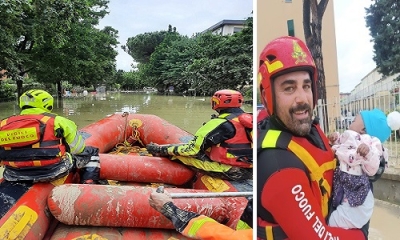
{"type": "Point", "coordinates": [134, 17]}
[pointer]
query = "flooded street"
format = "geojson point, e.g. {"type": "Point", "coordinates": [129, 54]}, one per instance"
{"type": "Point", "coordinates": [187, 113]}
{"type": "Point", "coordinates": [385, 222]}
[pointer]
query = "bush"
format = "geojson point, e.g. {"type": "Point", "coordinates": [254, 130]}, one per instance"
{"type": "Point", "coordinates": [7, 92]}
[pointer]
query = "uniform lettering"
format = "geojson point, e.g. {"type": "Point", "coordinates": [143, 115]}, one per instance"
{"type": "Point", "coordinates": [317, 225]}
{"type": "Point", "coordinates": [18, 135]}
{"type": "Point", "coordinates": [305, 207]}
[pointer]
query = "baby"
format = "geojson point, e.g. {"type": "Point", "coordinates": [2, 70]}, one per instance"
{"type": "Point", "coordinates": [359, 151]}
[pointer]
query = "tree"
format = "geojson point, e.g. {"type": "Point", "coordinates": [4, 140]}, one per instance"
{"type": "Point", "coordinates": [312, 25]}
{"type": "Point", "coordinates": [225, 62]}
{"type": "Point", "coordinates": [383, 21]}
{"type": "Point", "coordinates": [56, 40]}
{"type": "Point", "coordinates": [141, 46]}
{"type": "Point", "coordinates": [205, 62]}
{"type": "Point", "coordinates": [11, 26]}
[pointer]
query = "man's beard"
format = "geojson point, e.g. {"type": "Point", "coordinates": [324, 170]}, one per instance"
{"type": "Point", "coordinates": [300, 127]}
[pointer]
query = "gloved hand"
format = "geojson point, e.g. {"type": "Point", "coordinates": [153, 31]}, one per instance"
{"type": "Point", "coordinates": [157, 150]}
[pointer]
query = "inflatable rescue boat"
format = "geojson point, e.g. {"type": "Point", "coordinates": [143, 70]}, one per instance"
{"type": "Point", "coordinates": [120, 209]}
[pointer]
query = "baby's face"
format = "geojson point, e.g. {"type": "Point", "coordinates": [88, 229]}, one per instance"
{"type": "Point", "coordinates": [358, 125]}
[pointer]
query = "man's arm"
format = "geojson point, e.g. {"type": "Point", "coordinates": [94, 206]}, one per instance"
{"type": "Point", "coordinates": [213, 132]}
{"type": "Point", "coordinates": [69, 131]}
{"type": "Point", "coordinates": [193, 225]}
{"type": "Point", "coordinates": [287, 195]}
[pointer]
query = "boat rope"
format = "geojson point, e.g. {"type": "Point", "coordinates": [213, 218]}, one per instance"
{"type": "Point", "coordinates": [125, 115]}
{"type": "Point", "coordinates": [135, 137]}
{"type": "Point", "coordinates": [128, 146]}
{"type": "Point", "coordinates": [121, 148]}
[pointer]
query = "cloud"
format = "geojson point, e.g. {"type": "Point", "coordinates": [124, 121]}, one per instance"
{"type": "Point", "coordinates": [131, 18]}
{"type": "Point", "coordinates": [355, 49]}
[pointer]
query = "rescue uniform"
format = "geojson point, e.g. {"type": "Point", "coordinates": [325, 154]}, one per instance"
{"type": "Point", "coordinates": [294, 185]}
{"type": "Point", "coordinates": [197, 226]}
{"type": "Point", "coordinates": [222, 147]}
{"type": "Point", "coordinates": [41, 147]}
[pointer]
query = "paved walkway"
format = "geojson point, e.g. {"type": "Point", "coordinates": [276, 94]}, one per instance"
{"type": "Point", "coordinates": [392, 173]}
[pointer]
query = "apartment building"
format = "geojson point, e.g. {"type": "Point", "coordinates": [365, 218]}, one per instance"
{"type": "Point", "coordinates": [373, 91]}
{"type": "Point", "coordinates": [227, 27]}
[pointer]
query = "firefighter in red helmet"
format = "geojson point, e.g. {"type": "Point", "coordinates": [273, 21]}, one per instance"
{"type": "Point", "coordinates": [295, 162]}
{"type": "Point", "coordinates": [222, 147]}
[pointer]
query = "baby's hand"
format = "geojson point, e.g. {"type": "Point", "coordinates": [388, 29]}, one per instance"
{"type": "Point", "coordinates": [333, 137]}
{"type": "Point", "coordinates": [363, 149]}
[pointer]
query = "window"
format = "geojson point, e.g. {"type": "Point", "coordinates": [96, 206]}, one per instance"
{"type": "Point", "coordinates": [237, 29]}
{"type": "Point", "coordinates": [290, 26]}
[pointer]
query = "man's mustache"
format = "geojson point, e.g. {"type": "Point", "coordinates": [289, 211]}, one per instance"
{"type": "Point", "coordinates": [301, 107]}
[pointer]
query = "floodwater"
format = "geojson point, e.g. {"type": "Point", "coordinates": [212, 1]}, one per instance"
{"type": "Point", "coordinates": [188, 113]}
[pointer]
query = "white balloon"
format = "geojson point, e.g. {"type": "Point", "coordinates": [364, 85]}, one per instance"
{"type": "Point", "coordinates": [393, 120]}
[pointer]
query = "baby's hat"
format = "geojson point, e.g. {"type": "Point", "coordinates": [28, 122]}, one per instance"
{"type": "Point", "coordinates": [375, 123]}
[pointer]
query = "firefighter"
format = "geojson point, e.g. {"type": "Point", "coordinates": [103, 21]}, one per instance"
{"type": "Point", "coordinates": [40, 146]}
{"type": "Point", "coordinates": [222, 147]}
{"type": "Point", "coordinates": [295, 163]}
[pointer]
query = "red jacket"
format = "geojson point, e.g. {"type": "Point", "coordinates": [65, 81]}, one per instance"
{"type": "Point", "coordinates": [29, 141]}
{"type": "Point", "coordinates": [292, 204]}
{"type": "Point", "coordinates": [236, 151]}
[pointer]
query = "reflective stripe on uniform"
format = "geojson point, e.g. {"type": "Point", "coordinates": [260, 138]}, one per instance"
{"type": "Point", "coordinates": [197, 225]}
{"type": "Point", "coordinates": [275, 139]}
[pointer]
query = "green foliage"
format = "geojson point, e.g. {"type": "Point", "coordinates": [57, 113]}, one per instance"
{"type": "Point", "coordinates": [13, 15]}
{"type": "Point", "coordinates": [383, 21]}
{"type": "Point", "coordinates": [141, 46]}
{"type": "Point", "coordinates": [48, 42]}
{"type": "Point", "coordinates": [207, 62]}
{"type": "Point", "coordinates": [57, 40]}
{"type": "Point", "coordinates": [132, 80]}
{"type": "Point", "coordinates": [7, 92]}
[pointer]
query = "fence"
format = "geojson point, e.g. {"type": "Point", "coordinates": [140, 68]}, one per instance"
{"type": "Point", "coordinates": [340, 114]}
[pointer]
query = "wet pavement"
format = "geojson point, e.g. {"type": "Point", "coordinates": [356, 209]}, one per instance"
{"type": "Point", "coordinates": [385, 221]}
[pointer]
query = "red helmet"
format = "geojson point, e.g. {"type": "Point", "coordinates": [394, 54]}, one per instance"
{"type": "Point", "coordinates": [226, 99]}
{"type": "Point", "coordinates": [284, 55]}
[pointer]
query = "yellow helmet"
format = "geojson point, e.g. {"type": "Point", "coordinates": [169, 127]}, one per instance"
{"type": "Point", "coordinates": [36, 98]}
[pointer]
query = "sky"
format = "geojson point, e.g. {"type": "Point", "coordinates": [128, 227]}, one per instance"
{"type": "Point", "coordinates": [133, 17]}
{"type": "Point", "coordinates": [353, 43]}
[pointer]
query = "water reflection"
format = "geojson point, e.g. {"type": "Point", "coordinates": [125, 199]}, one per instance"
{"type": "Point", "coordinates": [188, 113]}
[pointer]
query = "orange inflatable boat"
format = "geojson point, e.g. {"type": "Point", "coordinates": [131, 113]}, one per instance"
{"type": "Point", "coordinates": [66, 210]}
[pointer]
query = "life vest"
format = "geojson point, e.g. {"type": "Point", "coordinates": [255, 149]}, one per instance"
{"type": "Point", "coordinates": [29, 141]}
{"type": "Point", "coordinates": [237, 151]}
{"type": "Point", "coordinates": [320, 164]}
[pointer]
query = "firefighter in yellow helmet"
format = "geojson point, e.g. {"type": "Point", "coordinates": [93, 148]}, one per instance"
{"type": "Point", "coordinates": [222, 147]}
{"type": "Point", "coordinates": [38, 145]}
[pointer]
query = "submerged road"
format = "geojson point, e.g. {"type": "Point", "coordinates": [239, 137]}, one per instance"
{"type": "Point", "coordinates": [385, 221]}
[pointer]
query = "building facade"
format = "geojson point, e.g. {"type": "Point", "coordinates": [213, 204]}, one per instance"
{"type": "Point", "coordinates": [373, 91]}
{"type": "Point", "coordinates": [277, 18]}
{"type": "Point", "coordinates": [227, 27]}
